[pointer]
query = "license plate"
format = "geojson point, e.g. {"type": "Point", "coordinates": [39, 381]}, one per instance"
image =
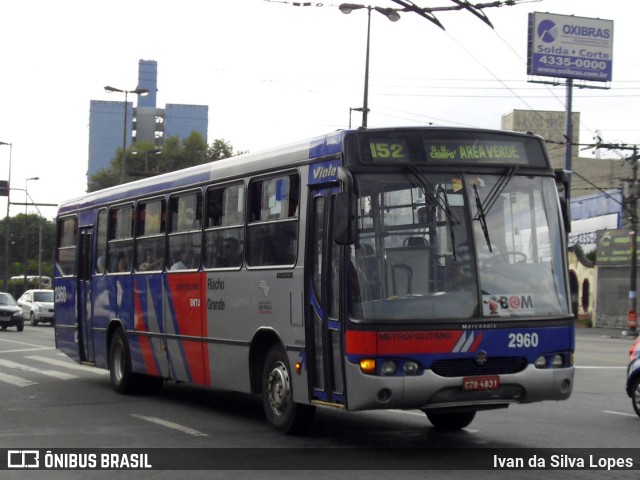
{"type": "Point", "coordinates": [486, 382]}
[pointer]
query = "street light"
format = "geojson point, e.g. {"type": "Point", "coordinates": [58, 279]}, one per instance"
{"type": "Point", "coordinates": [6, 231]}
{"type": "Point", "coordinates": [137, 91]}
{"type": "Point", "coordinates": [26, 243]}
{"type": "Point", "coordinates": [393, 16]}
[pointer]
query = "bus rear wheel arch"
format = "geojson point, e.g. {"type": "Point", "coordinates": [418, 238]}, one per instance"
{"type": "Point", "coordinates": [123, 380]}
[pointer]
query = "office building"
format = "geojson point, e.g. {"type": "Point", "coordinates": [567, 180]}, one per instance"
{"type": "Point", "coordinates": [145, 121]}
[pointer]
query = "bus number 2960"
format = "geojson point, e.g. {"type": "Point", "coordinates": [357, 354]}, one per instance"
{"type": "Point", "coordinates": [523, 340]}
{"type": "Point", "coordinates": [60, 294]}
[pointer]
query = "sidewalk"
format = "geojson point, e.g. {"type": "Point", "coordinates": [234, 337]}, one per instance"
{"type": "Point", "coordinates": [608, 332]}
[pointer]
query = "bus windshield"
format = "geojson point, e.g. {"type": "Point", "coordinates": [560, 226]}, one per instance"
{"type": "Point", "coordinates": [455, 247]}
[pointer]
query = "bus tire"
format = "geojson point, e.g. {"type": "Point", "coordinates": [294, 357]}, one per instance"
{"type": "Point", "coordinates": [282, 413]}
{"type": "Point", "coordinates": [451, 420]}
{"type": "Point", "coordinates": [635, 395]}
{"type": "Point", "coordinates": [120, 364]}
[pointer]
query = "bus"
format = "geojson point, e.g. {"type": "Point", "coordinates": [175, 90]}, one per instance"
{"type": "Point", "coordinates": [395, 268]}
{"type": "Point", "coordinates": [36, 281]}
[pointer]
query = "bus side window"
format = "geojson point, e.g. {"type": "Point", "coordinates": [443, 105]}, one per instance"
{"type": "Point", "coordinates": [67, 238]}
{"type": "Point", "coordinates": [120, 243]}
{"type": "Point", "coordinates": [272, 237]}
{"type": "Point", "coordinates": [224, 235]}
{"type": "Point", "coordinates": [101, 242]}
{"type": "Point", "coordinates": [150, 229]}
{"type": "Point", "coordinates": [185, 232]}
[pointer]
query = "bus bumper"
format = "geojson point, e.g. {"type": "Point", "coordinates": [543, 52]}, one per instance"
{"type": "Point", "coordinates": [429, 390]}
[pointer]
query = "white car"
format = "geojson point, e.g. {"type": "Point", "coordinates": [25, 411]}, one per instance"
{"type": "Point", "coordinates": [37, 306]}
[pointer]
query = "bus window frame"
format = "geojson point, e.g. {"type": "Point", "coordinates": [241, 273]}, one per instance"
{"type": "Point", "coordinates": [196, 232]}
{"type": "Point", "coordinates": [139, 256]}
{"type": "Point", "coordinates": [211, 230]}
{"type": "Point", "coordinates": [67, 247]}
{"type": "Point", "coordinates": [254, 224]}
{"type": "Point", "coordinates": [113, 240]}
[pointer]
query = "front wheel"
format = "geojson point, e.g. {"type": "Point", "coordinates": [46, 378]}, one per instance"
{"type": "Point", "coordinates": [451, 421]}
{"type": "Point", "coordinates": [282, 413]}
{"type": "Point", "coordinates": [32, 317]}
{"type": "Point", "coordinates": [635, 395]}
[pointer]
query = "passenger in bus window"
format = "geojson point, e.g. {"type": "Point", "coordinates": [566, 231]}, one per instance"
{"type": "Point", "coordinates": [100, 264]}
{"type": "Point", "coordinates": [122, 263]}
{"type": "Point", "coordinates": [184, 263]}
{"type": "Point", "coordinates": [229, 255]}
{"type": "Point", "coordinates": [150, 261]}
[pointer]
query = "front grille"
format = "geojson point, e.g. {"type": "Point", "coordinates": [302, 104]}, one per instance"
{"type": "Point", "coordinates": [466, 367]}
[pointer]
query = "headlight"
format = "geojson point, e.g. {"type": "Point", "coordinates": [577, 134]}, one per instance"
{"type": "Point", "coordinates": [557, 361]}
{"type": "Point", "coordinates": [541, 362]}
{"type": "Point", "coordinates": [411, 368]}
{"type": "Point", "coordinates": [388, 367]}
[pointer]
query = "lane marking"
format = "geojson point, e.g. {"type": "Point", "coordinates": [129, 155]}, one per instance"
{"type": "Point", "coordinates": [31, 346]}
{"type": "Point", "coordinates": [624, 414]}
{"type": "Point", "coordinates": [13, 380]}
{"type": "Point", "coordinates": [49, 373]}
{"type": "Point", "coordinates": [35, 349]}
{"type": "Point", "coordinates": [68, 364]}
{"type": "Point", "coordinates": [586, 367]}
{"type": "Point", "coordinates": [171, 425]}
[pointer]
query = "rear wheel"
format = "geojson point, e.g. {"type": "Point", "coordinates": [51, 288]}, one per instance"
{"type": "Point", "coordinates": [282, 413]}
{"type": "Point", "coordinates": [20, 327]}
{"type": "Point", "coordinates": [120, 363]}
{"type": "Point", "coordinates": [635, 395]}
{"type": "Point", "coordinates": [450, 420]}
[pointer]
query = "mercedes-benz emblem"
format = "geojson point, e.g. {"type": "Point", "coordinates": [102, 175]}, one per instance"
{"type": "Point", "coordinates": [481, 358]}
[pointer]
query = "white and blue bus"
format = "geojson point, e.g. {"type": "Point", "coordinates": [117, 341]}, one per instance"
{"type": "Point", "coordinates": [405, 268]}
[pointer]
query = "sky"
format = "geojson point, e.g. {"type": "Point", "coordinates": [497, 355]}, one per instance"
{"type": "Point", "coordinates": [273, 73]}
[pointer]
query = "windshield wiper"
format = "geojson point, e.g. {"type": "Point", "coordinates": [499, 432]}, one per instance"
{"type": "Point", "coordinates": [490, 200]}
{"type": "Point", "coordinates": [432, 197]}
{"type": "Point", "coordinates": [480, 216]}
{"type": "Point", "coordinates": [498, 188]}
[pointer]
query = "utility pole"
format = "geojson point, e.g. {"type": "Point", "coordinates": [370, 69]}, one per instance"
{"type": "Point", "coordinates": [632, 313]}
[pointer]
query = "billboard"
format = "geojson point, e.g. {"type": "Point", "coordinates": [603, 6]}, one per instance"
{"type": "Point", "coordinates": [564, 46]}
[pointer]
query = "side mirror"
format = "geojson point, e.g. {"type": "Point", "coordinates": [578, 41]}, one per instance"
{"type": "Point", "coordinates": [562, 182]}
{"type": "Point", "coordinates": [344, 219]}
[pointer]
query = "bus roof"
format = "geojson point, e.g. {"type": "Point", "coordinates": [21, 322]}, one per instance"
{"type": "Point", "coordinates": [288, 155]}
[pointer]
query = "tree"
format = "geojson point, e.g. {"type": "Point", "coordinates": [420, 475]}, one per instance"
{"type": "Point", "coordinates": [144, 159]}
{"type": "Point", "coordinates": [26, 231]}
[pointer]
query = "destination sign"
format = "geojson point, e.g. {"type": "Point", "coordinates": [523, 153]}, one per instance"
{"type": "Point", "coordinates": [463, 147]}
{"type": "Point", "coordinates": [475, 151]}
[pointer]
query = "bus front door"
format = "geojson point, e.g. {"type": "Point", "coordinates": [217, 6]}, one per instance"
{"type": "Point", "coordinates": [84, 289]}
{"type": "Point", "coordinates": [323, 321]}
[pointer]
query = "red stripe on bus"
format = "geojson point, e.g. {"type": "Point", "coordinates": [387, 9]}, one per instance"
{"type": "Point", "coordinates": [411, 342]}
{"type": "Point", "coordinates": [146, 347]}
{"type": "Point", "coordinates": [361, 343]}
{"type": "Point", "coordinates": [188, 305]}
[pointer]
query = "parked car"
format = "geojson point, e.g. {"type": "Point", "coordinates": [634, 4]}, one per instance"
{"type": "Point", "coordinates": [633, 376]}
{"type": "Point", "coordinates": [10, 312]}
{"type": "Point", "coordinates": [37, 306]}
